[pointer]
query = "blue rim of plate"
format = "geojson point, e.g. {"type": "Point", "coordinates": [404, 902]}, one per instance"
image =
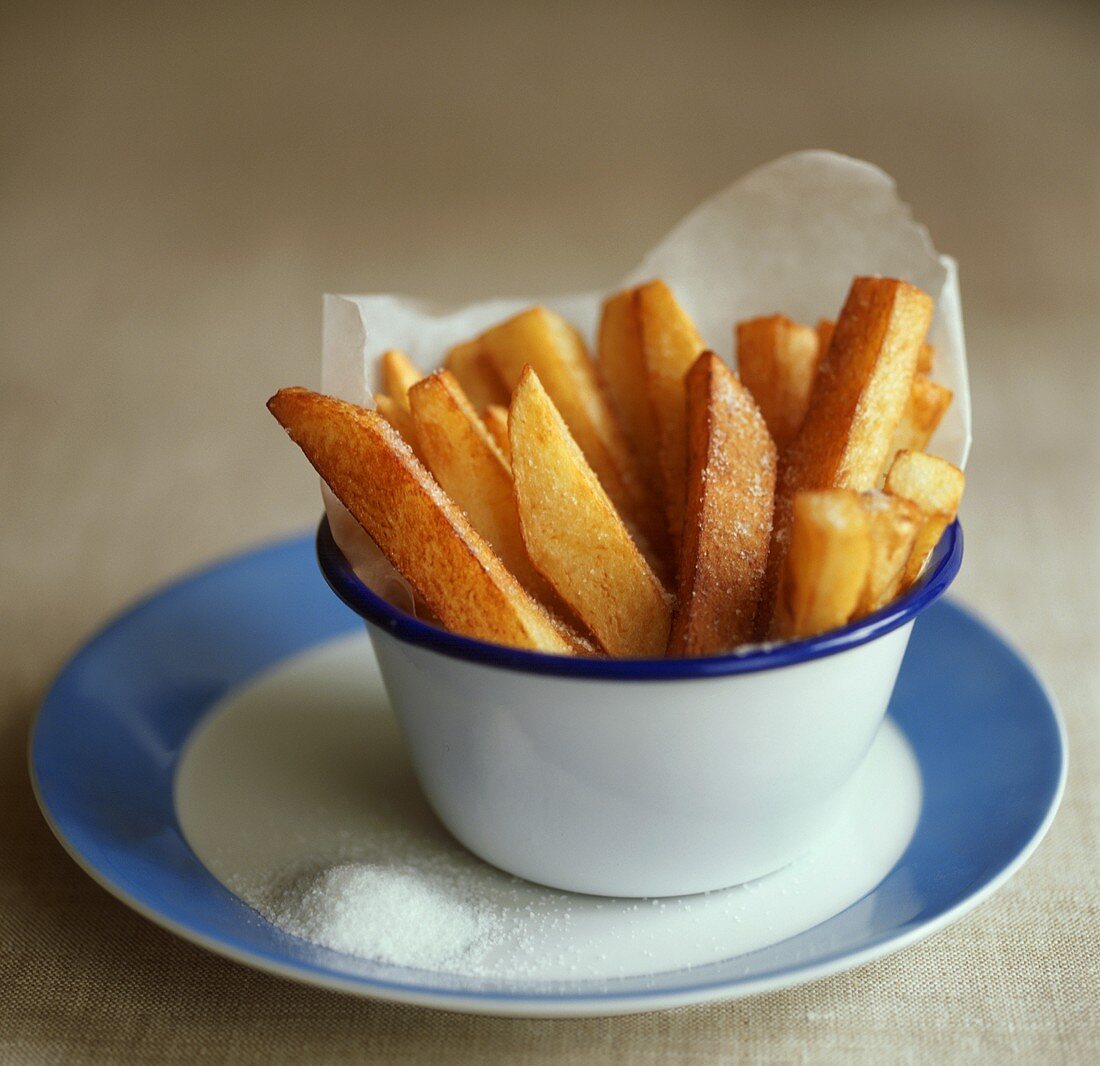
{"type": "Point", "coordinates": [108, 738]}
{"type": "Point", "coordinates": [365, 602]}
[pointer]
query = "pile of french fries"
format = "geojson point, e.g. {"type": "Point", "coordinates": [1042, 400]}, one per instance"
{"type": "Point", "coordinates": [650, 502]}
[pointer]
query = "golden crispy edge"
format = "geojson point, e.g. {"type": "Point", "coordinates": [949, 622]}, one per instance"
{"type": "Point", "coordinates": [495, 418]}
{"type": "Point", "coordinates": [575, 536]}
{"type": "Point", "coordinates": [400, 418]}
{"type": "Point", "coordinates": [399, 374]}
{"type": "Point", "coordinates": [728, 516]}
{"type": "Point", "coordinates": [859, 392]}
{"type": "Point", "coordinates": [374, 473]}
{"type": "Point", "coordinates": [477, 374]}
{"type": "Point", "coordinates": [670, 344]}
{"type": "Point", "coordinates": [826, 567]}
{"type": "Point", "coordinates": [893, 523]}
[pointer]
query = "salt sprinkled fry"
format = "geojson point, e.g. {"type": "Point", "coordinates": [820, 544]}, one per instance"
{"type": "Point", "coordinates": [859, 393]}
{"type": "Point", "coordinates": [728, 515]}
{"type": "Point", "coordinates": [495, 418]}
{"type": "Point", "coordinates": [622, 363]}
{"type": "Point", "coordinates": [400, 418]}
{"type": "Point", "coordinates": [927, 404]}
{"type": "Point", "coordinates": [399, 374]}
{"type": "Point", "coordinates": [575, 536]}
{"type": "Point", "coordinates": [936, 487]}
{"type": "Point", "coordinates": [777, 360]}
{"type": "Point", "coordinates": [670, 344]}
{"type": "Point", "coordinates": [893, 523]}
{"type": "Point", "coordinates": [477, 375]}
{"type": "Point", "coordinates": [557, 353]}
{"type": "Point", "coordinates": [826, 565]}
{"type": "Point", "coordinates": [423, 533]}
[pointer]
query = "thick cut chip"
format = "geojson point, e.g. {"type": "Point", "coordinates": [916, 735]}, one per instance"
{"type": "Point", "coordinates": [670, 344]}
{"type": "Point", "coordinates": [400, 417]}
{"type": "Point", "coordinates": [826, 566]}
{"type": "Point", "coordinates": [927, 404]}
{"type": "Point", "coordinates": [728, 517]}
{"type": "Point", "coordinates": [894, 524]}
{"type": "Point", "coordinates": [477, 375]}
{"type": "Point", "coordinates": [925, 358]}
{"type": "Point", "coordinates": [399, 374]}
{"type": "Point", "coordinates": [422, 532]}
{"type": "Point", "coordinates": [557, 353]}
{"type": "Point", "coordinates": [575, 536]}
{"type": "Point", "coordinates": [464, 459]}
{"type": "Point", "coordinates": [825, 327]}
{"type": "Point", "coordinates": [777, 360]}
{"type": "Point", "coordinates": [859, 393]}
{"type": "Point", "coordinates": [936, 487]}
{"type": "Point", "coordinates": [622, 363]}
{"type": "Point", "coordinates": [495, 418]}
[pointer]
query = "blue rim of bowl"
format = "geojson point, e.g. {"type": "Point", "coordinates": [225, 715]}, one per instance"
{"type": "Point", "coordinates": [932, 584]}
{"type": "Point", "coordinates": [369, 605]}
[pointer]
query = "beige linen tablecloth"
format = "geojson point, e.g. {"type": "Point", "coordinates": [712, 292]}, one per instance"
{"type": "Point", "coordinates": [179, 186]}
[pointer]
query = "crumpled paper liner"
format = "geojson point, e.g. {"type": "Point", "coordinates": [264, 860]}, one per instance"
{"type": "Point", "coordinates": [788, 237]}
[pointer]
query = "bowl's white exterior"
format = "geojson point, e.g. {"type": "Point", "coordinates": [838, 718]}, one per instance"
{"type": "Point", "coordinates": [638, 788]}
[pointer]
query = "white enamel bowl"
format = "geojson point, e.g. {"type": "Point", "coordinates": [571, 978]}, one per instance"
{"type": "Point", "coordinates": [638, 777]}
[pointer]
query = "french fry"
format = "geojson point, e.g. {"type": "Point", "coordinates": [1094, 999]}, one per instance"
{"type": "Point", "coordinates": [893, 523]}
{"type": "Point", "coordinates": [399, 374]}
{"type": "Point", "coordinates": [477, 375]}
{"type": "Point", "coordinates": [622, 363]}
{"type": "Point", "coordinates": [777, 360]}
{"type": "Point", "coordinates": [400, 418]}
{"type": "Point", "coordinates": [825, 327]}
{"type": "Point", "coordinates": [924, 410]}
{"type": "Point", "coordinates": [925, 358]}
{"type": "Point", "coordinates": [670, 344]}
{"type": "Point", "coordinates": [728, 515]}
{"type": "Point", "coordinates": [575, 536]}
{"type": "Point", "coordinates": [859, 393]}
{"type": "Point", "coordinates": [464, 459]}
{"type": "Point", "coordinates": [423, 533]}
{"type": "Point", "coordinates": [826, 565]}
{"type": "Point", "coordinates": [495, 418]}
{"type": "Point", "coordinates": [557, 353]}
{"type": "Point", "coordinates": [936, 487]}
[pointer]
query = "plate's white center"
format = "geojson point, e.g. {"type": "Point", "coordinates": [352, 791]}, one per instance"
{"type": "Point", "coordinates": [305, 766]}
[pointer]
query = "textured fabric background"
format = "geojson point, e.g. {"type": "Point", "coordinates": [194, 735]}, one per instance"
{"type": "Point", "coordinates": [180, 183]}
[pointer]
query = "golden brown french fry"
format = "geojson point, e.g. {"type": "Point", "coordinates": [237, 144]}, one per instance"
{"type": "Point", "coordinates": [470, 468]}
{"type": "Point", "coordinates": [777, 360]}
{"type": "Point", "coordinates": [399, 374]}
{"type": "Point", "coordinates": [477, 375]}
{"type": "Point", "coordinates": [894, 523]}
{"type": "Point", "coordinates": [400, 418]}
{"type": "Point", "coordinates": [420, 529]}
{"type": "Point", "coordinates": [925, 358]}
{"type": "Point", "coordinates": [825, 327]}
{"type": "Point", "coordinates": [728, 515]}
{"type": "Point", "coordinates": [670, 344]}
{"type": "Point", "coordinates": [859, 393]}
{"type": "Point", "coordinates": [622, 363]}
{"type": "Point", "coordinates": [575, 536]}
{"type": "Point", "coordinates": [495, 418]}
{"type": "Point", "coordinates": [936, 487]}
{"type": "Point", "coordinates": [557, 353]}
{"type": "Point", "coordinates": [825, 568]}
{"type": "Point", "coordinates": [927, 404]}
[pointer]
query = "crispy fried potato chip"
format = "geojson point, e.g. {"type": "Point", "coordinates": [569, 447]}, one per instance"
{"type": "Point", "coordinates": [557, 353]}
{"type": "Point", "coordinates": [860, 390]}
{"type": "Point", "coordinates": [575, 536]}
{"type": "Point", "coordinates": [399, 416]}
{"type": "Point", "coordinates": [927, 404]}
{"type": "Point", "coordinates": [728, 514]}
{"type": "Point", "coordinates": [495, 418]}
{"type": "Point", "coordinates": [477, 375]}
{"type": "Point", "coordinates": [777, 360]}
{"type": "Point", "coordinates": [826, 565]}
{"type": "Point", "coordinates": [423, 533]}
{"type": "Point", "coordinates": [470, 468]}
{"type": "Point", "coordinates": [894, 523]}
{"type": "Point", "coordinates": [825, 327]}
{"type": "Point", "coordinates": [925, 358]}
{"type": "Point", "coordinates": [670, 344]}
{"type": "Point", "coordinates": [399, 374]}
{"type": "Point", "coordinates": [936, 487]}
{"type": "Point", "coordinates": [622, 363]}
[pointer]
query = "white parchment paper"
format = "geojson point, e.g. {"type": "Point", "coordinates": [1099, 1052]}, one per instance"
{"type": "Point", "coordinates": [788, 237]}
